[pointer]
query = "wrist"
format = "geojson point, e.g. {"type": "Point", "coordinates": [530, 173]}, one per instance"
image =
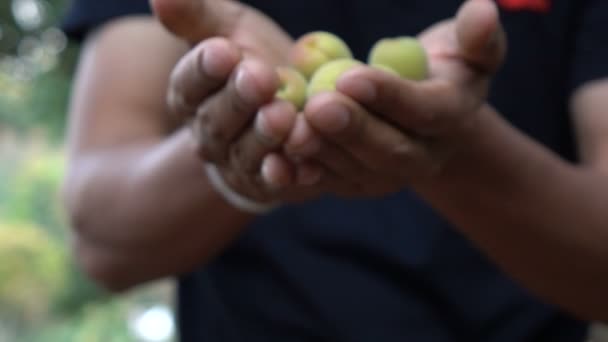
{"type": "Point", "coordinates": [234, 198]}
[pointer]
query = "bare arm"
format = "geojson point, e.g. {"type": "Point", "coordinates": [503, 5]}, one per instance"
{"type": "Point", "coordinates": [540, 218]}
{"type": "Point", "coordinates": [543, 220]}
{"type": "Point", "coordinates": [140, 205]}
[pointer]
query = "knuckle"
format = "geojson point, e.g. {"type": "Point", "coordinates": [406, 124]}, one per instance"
{"type": "Point", "coordinates": [207, 149]}
{"type": "Point", "coordinates": [203, 150]}
{"type": "Point", "coordinates": [236, 104]}
{"type": "Point", "coordinates": [401, 150]}
{"type": "Point", "coordinates": [242, 161]}
{"type": "Point", "coordinates": [265, 141]}
{"type": "Point", "coordinates": [442, 115]}
{"type": "Point", "coordinates": [391, 93]}
{"type": "Point", "coordinates": [210, 128]}
{"type": "Point", "coordinates": [215, 133]}
{"type": "Point", "coordinates": [357, 129]}
{"type": "Point", "coordinates": [178, 105]}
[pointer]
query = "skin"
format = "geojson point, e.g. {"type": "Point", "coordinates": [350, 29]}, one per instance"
{"type": "Point", "coordinates": [132, 153]}
{"type": "Point", "coordinates": [538, 217]}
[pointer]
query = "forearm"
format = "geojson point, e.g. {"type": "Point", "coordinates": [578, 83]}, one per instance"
{"type": "Point", "coordinates": [146, 212]}
{"type": "Point", "coordinates": [538, 217]}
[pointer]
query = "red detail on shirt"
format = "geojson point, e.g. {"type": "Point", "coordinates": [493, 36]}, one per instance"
{"type": "Point", "coordinates": [542, 6]}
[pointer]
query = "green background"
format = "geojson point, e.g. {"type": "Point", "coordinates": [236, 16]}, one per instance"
{"type": "Point", "coordinates": [43, 296]}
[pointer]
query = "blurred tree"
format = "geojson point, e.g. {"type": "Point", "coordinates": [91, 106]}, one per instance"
{"type": "Point", "coordinates": [29, 196]}
{"type": "Point", "coordinates": [36, 64]}
{"type": "Point", "coordinates": [43, 295]}
{"type": "Point", "coordinates": [33, 190]}
{"type": "Point", "coordinates": [22, 18]}
{"type": "Point", "coordinates": [33, 272]}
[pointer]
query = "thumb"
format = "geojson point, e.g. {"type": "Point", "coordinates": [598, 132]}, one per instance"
{"type": "Point", "coordinates": [196, 20]}
{"type": "Point", "coordinates": [480, 35]}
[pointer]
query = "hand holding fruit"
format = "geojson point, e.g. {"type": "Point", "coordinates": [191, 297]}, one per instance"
{"type": "Point", "coordinates": [322, 57]}
{"type": "Point", "coordinates": [384, 132]}
{"type": "Point", "coordinates": [361, 133]}
{"type": "Point", "coordinates": [226, 90]}
{"type": "Point", "coordinates": [314, 49]}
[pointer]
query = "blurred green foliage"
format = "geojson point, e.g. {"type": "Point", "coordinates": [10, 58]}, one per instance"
{"type": "Point", "coordinates": [38, 278]}
{"type": "Point", "coordinates": [95, 323]}
{"type": "Point", "coordinates": [39, 104]}
{"type": "Point", "coordinates": [33, 189]}
{"type": "Point", "coordinates": [43, 294]}
{"type": "Point", "coordinates": [32, 272]}
{"type": "Point", "coordinates": [13, 33]}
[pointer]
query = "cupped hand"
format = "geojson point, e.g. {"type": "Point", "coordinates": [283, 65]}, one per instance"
{"type": "Point", "coordinates": [385, 133]}
{"type": "Point", "coordinates": [224, 90]}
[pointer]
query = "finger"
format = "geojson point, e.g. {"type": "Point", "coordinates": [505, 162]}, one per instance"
{"type": "Point", "coordinates": [271, 127]}
{"type": "Point", "coordinates": [199, 73]}
{"type": "Point", "coordinates": [376, 144]}
{"type": "Point", "coordinates": [195, 20]}
{"type": "Point", "coordinates": [343, 164]}
{"type": "Point", "coordinates": [481, 38]}
{"type": "Point", "coordinates": [342, 173]}
{"type": "Point", "coordinates": [277, 173]}
{"type": "Point", "coordinates": [306, 144]}
{"type": "Point", "coordinates": [427, 108]}
{"type": "Point", "coordinates": [303, 142]}
{"type": "Point", "coordinates": [222, 118]}
{"type": "Point", "coordinates": [280, 174]}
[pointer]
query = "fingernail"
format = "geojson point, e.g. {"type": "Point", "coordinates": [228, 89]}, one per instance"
{"type": "Point", "coordinates": [334, 118]}
{"type": "Point", "coordinates": [246, 86]}
{"type": "Point", "coordinates": [270, 175]}
{"type": "Point", "coordinates": [263, 129]}
{"type": "Point", "coordinates": [214, 64]}
{"type": "Point", "coordinates": [267, 173]}
{"type": "Point", "coordinates": [303, 143]}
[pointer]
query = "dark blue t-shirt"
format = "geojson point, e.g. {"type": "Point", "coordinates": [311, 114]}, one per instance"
{"type": "Point", "coordinates": [391, 269]}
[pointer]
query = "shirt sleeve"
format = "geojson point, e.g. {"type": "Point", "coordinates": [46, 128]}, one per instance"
{"type": "Point", "coordinates": [590, 49]}
{"type": "Point", "coordinates": [84, 16]}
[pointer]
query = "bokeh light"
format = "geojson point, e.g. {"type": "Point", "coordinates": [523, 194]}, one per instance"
{"type": "Point", "coordinates": [155, 324]}
{"type": "Point", "coordinates": [29, 14]}
{"type": "Point", "coordinates": [37, 48]}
